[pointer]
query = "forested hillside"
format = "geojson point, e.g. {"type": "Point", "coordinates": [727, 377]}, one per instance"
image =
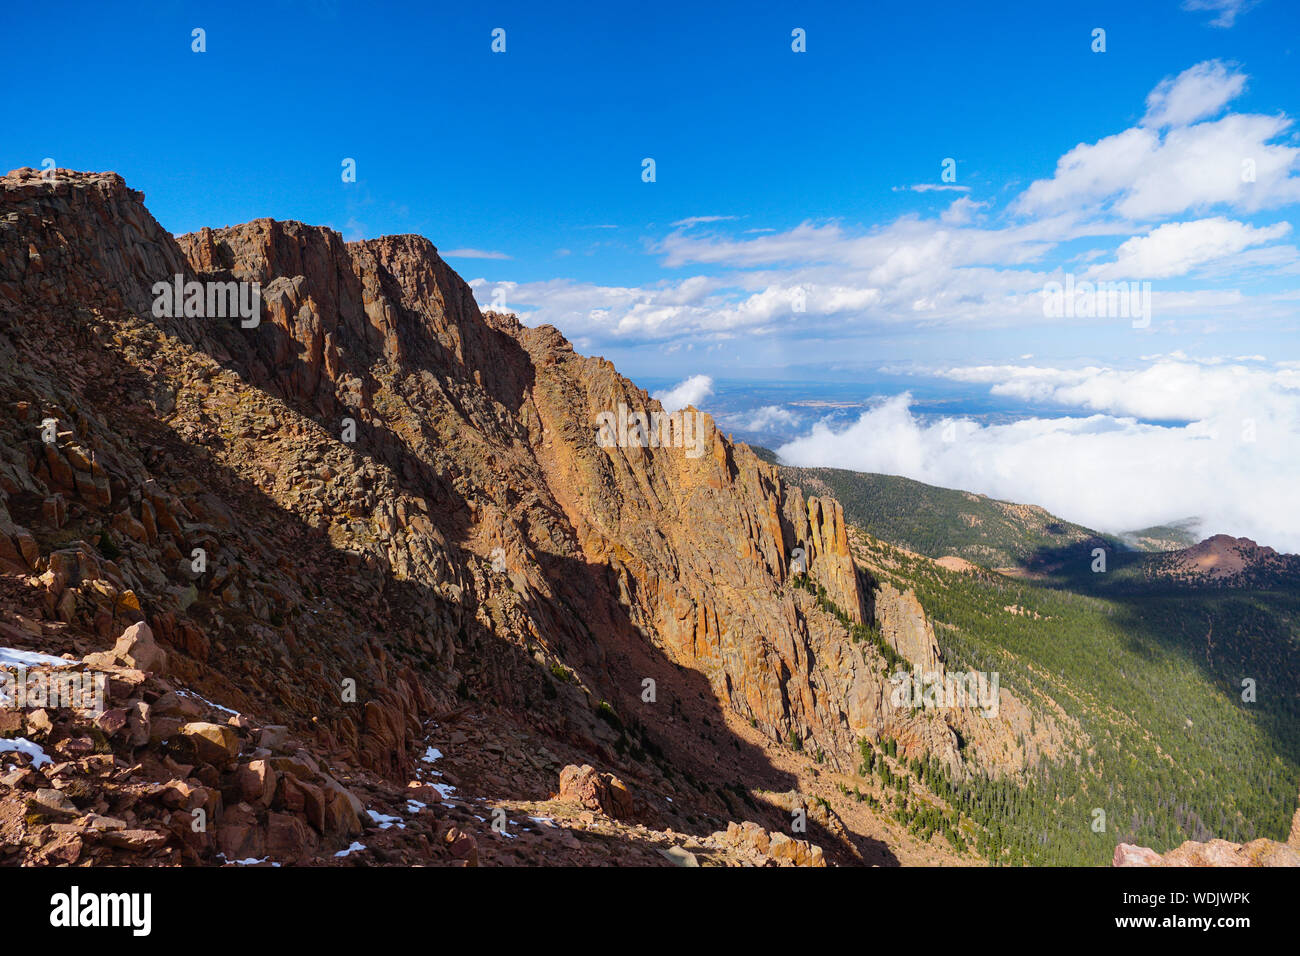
{"type": "Point", "coordinates": [941, 521]}
{"type": "Point", "coordinates": [1160, 684]}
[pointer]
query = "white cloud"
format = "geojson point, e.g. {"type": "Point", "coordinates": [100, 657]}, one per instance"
{"type": "Point", "coordinates": [1226, 10]}
{"type": "Point", "coordinates": [799, 243]}
{"type": "Point", "coordinates": [766, 418]}
{"type": "Point", "coordinates": [691, 391]}
{"type": "Point", "coordinates": [961, 211]}
{"type": "Point", "coordinates": [1090, 172]}
{"type": "Point", "coordinates": [1196, 93]}
{"type": "Point", "coordinates": [1140, 174]}
{"type": "Point", "coordinates": [1200, 166]}
{"type": "Point", "coordinates": [355, 231]}
{"type": "Point", "coordinates": [473, 254]}
{"type": "Point", "coordinates": [1168, 388]}
{"type": "Point", "coordinates": [1177, 248]}
{"type": "Point", "coordinates": [1232, 464]}
{"type": "Point", "coordinates": [698, 220]}
{"type": "Point", "coordinates": [934, 188]}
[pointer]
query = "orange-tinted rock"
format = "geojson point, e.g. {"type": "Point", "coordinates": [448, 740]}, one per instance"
{"type": "Point", "coordinates": [1214, 853]}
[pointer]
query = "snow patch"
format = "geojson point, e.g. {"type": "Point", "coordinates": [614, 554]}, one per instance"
{"type": "Point", "coordinates": [13, 657]}
{"type": "Point", "coordinates": [386, 821]}
{"type": "Point", "coordinates": [203, 700]}
{"type": "Point", "coordinates": [24, 746]}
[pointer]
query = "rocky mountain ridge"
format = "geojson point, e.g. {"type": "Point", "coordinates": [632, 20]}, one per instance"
{"type": "Point", "coordinates": [374, 513]}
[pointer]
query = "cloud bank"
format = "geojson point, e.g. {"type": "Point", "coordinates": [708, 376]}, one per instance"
{"type": "Point", "coordinates": [1224, 446]}
{"type": "Point", "coordinates": [692, 391]}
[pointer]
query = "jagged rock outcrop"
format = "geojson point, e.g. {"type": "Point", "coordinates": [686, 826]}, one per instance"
{"type": "Point", "coordinates": [829, 539]}
{"type": "Point", "coordinates": [1213, 853]}
{"type": "Point", "coordinates": [904, 625]}
{"type": "Point", "coordinates": [596, 791]}
{"type": "Point", "coordinates": [369, 501]}
{"type": "Point", "coordinates": [770, 848]}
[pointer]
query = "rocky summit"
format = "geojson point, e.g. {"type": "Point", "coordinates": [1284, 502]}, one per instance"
{"type": "Point", "coordinates": [363, 584]}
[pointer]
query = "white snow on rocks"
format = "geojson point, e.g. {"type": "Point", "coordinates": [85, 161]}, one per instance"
{"type": "Point", "coordinates": [24, 746]}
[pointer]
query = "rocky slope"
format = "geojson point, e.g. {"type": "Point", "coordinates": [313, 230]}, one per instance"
{"type": "Point", "coordinates": [368, 527]}
{"type": "Point", "coordinates": [1222, 853]}
{"type": "Point", "coordinates": [1225, 561]}
{"type": "Point", "coordinates": [998, 741]}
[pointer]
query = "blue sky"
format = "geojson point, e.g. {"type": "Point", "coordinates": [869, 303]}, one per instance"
{"type": "Point", "coordinates": [778, 175]}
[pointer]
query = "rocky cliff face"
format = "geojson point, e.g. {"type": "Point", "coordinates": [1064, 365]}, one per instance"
{"type": "Point", "coordinates": [693, 550]}
{"type": "Point", "coordinates": [903, 624]}
{"type": "Point", "coordinates": [375, 506]}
